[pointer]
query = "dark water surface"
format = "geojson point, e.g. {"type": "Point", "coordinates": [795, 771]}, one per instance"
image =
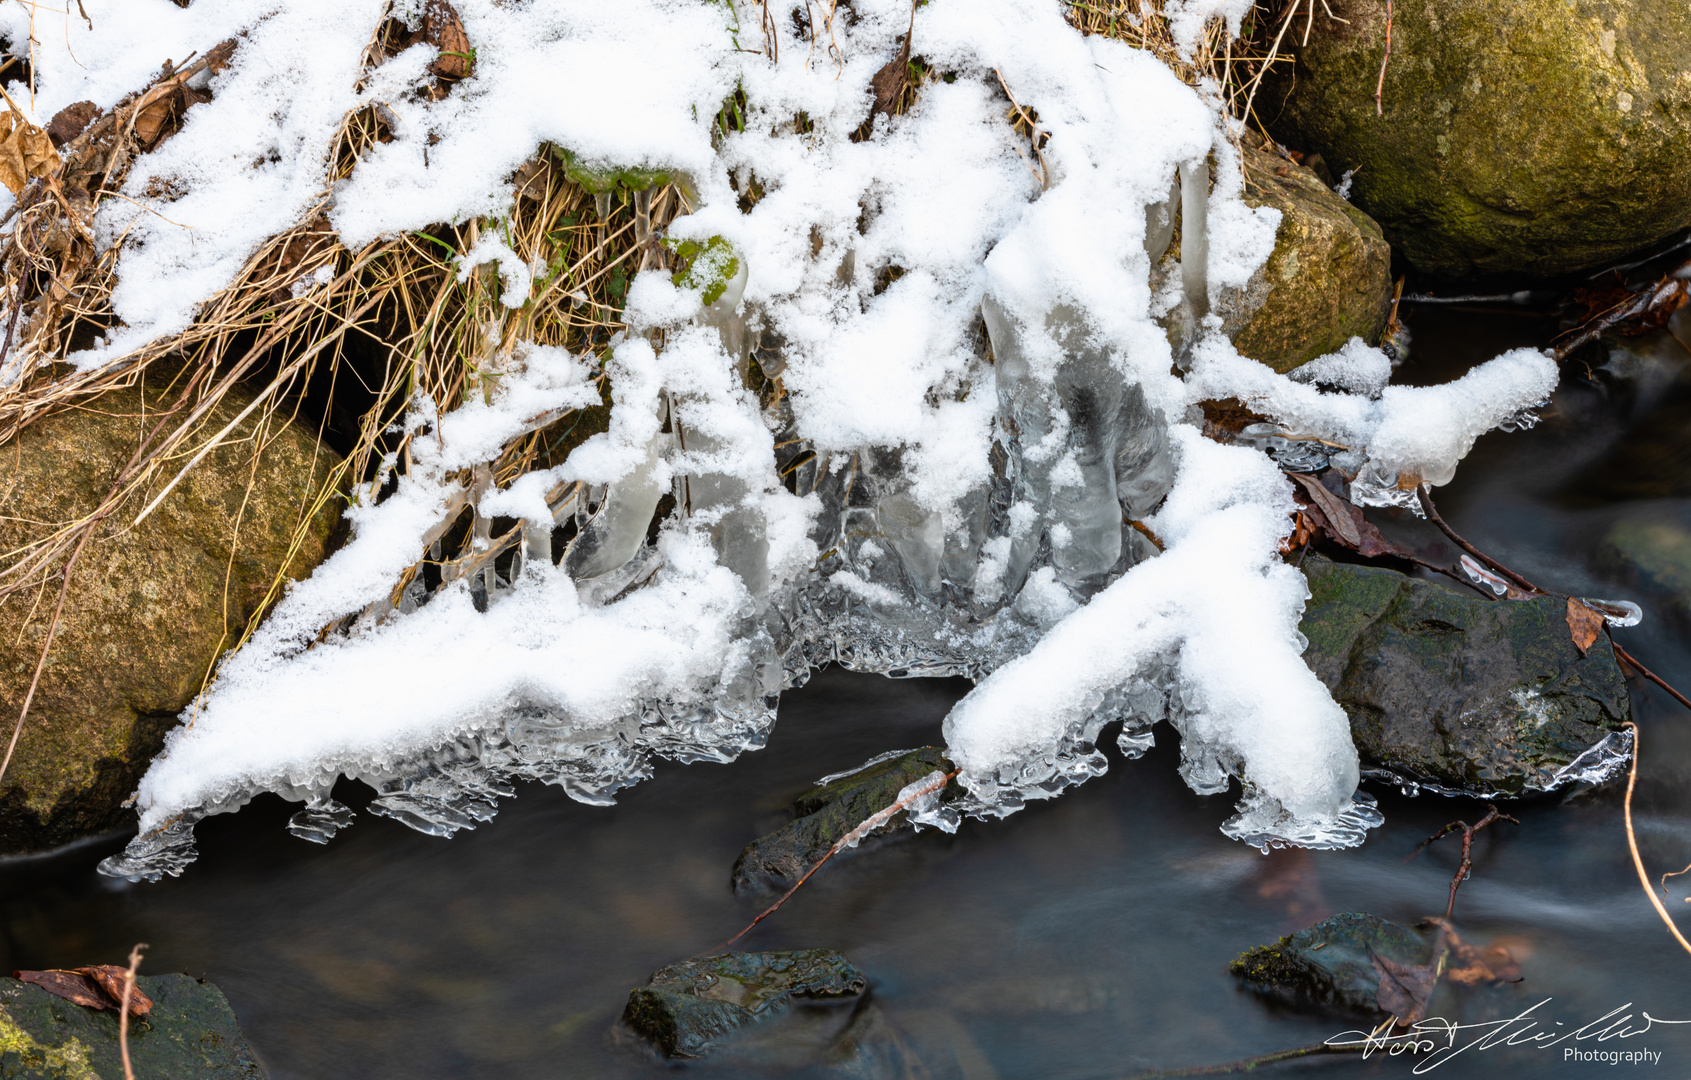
{"type": "Point", "coordinates": [1084, 938]}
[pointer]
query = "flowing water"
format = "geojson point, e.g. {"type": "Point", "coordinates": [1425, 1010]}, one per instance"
{"type": "Point", "coordinates": [1083, 938]}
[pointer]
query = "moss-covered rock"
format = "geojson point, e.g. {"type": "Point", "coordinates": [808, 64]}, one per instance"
{"type": "Point", "coordinates": [191, 1034]}
{"type": "Point", "coordinates": [1455, 690]}
{"type": "Point", "coordinates": [1331, 964]}
{"type": "Point", "coordinates": [1533, 137]}
{"type": "Point", "coordinates": [1328, 280]}
{"type": "Point", "coordinates": [150, 608]}
{"type": "Point", "coordinates": [689, 1006]}
{"type": "Point", "coordinates": [826, 813]}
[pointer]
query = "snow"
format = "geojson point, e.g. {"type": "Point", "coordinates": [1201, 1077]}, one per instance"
{"type": "Point", "coordinates": [875, 261]}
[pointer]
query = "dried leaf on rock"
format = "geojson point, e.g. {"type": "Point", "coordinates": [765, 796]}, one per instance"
{"type": "Point", "coordinates": [71, 121]}
{"type": "Point", "coordinates": [73, 986]}
{"type": "Point", "coordinates": [1584, 622]}
{"type": "Point", "coordinates": [110, 978]}
{"type": "Point", "coordinates": [1340, 525]}
{"type": "Point", "coordinates": [99, 987]}
{"type": "Point", "coordinates": [1405, 988]}
{"type": "Point", "coordinates": [26, 152]}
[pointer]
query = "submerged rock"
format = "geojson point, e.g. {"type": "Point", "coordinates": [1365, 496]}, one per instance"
{"type": "Point", "coordinates": [1650, 548]}
{"type": "Point", "coordinates": [191, 1034]}
{"type": "Point", "coordinates": [1332, 964]}
{"type": "Point", "coordinates": [688, 1006]}
{"type": "Point", "coordinates": [1537, 137]}
{"type": "Point", "coordinates": [150, 608]}
{"type": "Point", "coordinates": [1459, 692]}
{"type": "Point", "coordinates": [829, 811]}
{"type": "Point", "coordinates": [1328, 280]}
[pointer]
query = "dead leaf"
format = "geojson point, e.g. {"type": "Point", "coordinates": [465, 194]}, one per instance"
{"type": "Point", "coordinates": [99, 987]}
{"type": "Point", "coordinates": [71, 121]}
{"type": "Point", "coordinates": [26, 151]}
{"type": "Point", "coordinates": [1405, 988]}
{"type": "Point", "coordinates": [162, 114]}
{"type": "Point", "coordinates": [1339, 521]}
{"type": "Point", "coordinates": [220, 55]}
{"type": "Point", "coordinates": [890, 82]}
{"type": "Point", "coordinates": [1471, 965]}
{"type": "Point", "coordinates": [1585, 623]}
{"type": "Point", "coordinates": [73, 986]}
{"type": "Point", "coordinates": [110, 978]}
{"type": "Point", "coordinates": [445, 31]}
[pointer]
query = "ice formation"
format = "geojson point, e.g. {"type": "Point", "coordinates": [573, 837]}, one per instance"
{"type": "Point", "coordinates": [982, 445]}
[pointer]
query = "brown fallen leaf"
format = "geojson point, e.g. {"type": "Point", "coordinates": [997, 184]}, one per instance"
{"type": "Point", "coordinates": [220, 55]}
{"type": "Point", "coordinates": [1470, 965]}
{"type": "Point", "coordinates": [1340, 524]}
{"type": "Point", "coordinates": [163, 114]}
{"type": "Point", "coordinates": [890, 82]}
{"type": "Point", "coordinates": [99, 987]}
{"type": "Point", "coordinates": [110, 979]}
{"type": "Point", "coordinates": [443, 29]}
{"type": "Point", "coordinates": [1405, 988]}
{"type": "Point", "coordinates": [26, 151]}
{"type": "Point", "coordinates": [1585, 623]}
{"type": "Point", "coordinates": [71, 121]}
{"type": "Point", "coordinates": [73, 986]}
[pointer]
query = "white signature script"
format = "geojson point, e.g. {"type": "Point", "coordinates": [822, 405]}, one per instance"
{"type": "Point", "coordinates": [1442, 1040]}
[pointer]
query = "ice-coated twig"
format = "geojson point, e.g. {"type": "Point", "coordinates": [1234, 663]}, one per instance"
{"type": "Point", "coordinates": [931, 784]}
{"type": "Point", "coordinates": [1433, 516]}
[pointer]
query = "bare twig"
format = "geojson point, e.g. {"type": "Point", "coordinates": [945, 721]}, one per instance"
{"type": "Point", "coordinates": [868, 825]}
{"type": "Point", "coordinates": [1632, 662]}
{"type": "Point", "coordinates": [1632, 843]}
{"type": "Point", "coordinates": [1251, 1064]}
{"type": "Point", "coordinates": [1433, 516]}
{"type": "Point", "coordinates": [123, 1012]}
{"type": "Point", "coordinates": [1493, 816]}
{"type": "Point", "coordinates": [1380, 87]}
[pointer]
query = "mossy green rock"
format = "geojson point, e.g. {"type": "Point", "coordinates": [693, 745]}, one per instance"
{"type": "Point", "coordinates": [191, 1034]}
{"type": "Point", "coordinates": [1650, 549]}
{"type": "Point", "coordinates": [1331, 964]}
{"type": "Point", "coordinates": [1455, 690]}
{"type": "Point", "coordinates": [691, 1005]}
{"type": "Point", "coordinates": [150, 608]}
{"type": "Point", "coordinates": [1328, 280]}
{"type": "Point", "coordinates": [827, 812]}
{"type": "Point", "coordinates": [1535, 137]}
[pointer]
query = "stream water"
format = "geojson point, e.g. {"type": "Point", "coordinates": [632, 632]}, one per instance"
{"type": "Point", "coordinates": [1084, 938]}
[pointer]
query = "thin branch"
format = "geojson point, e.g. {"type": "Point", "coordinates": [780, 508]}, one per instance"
{"type": "Point", "coordinates": [1433, 515]}
{"type": "Point", "coordinates": [1632, 843]}
{"type": "Point", "coordinates": [1250, 1064]}
{"type": "Point", "coordinates": [1493, 816]}
{"type": "Point", "coordinates": [1628, 659]}
{"type": "Point", "coordinates": [123, 1011]}
{"type": "Point", "coordinates": [1384, 60]}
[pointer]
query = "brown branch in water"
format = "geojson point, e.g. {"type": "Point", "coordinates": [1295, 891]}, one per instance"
{"type": "Point", "coordinates": [1433, 515]}
{"type": "Point", "coordinates": [1493, 816]}
{"type": "Point", "coordinates": [123, 1011]}
{"type": "Point", "coordinates": [1380, 87]}
{"type": "Point", "coordinates": [867, 826]}
{"type": "Point", "coordinates": [1632, 843]}
{"type": "Point", "coordinates": [1250, 1064]}
{"type": "Point", "coordinates": [1629, 660]}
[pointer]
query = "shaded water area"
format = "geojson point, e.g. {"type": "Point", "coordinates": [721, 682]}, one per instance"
{"type": "Point", "coordinates": [1083, 938]}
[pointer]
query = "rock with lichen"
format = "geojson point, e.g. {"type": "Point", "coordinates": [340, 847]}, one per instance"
{"type": "Point", "coordinates": [1537, 137]}
{"type": "Point", "coordinates": [150, 607]}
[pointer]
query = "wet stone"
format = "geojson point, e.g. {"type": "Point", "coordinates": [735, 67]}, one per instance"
{"type": "Point", "coordinates": [827, 812]}
{"type": "Point", "coordinates": [1332, 965]}
{"type": "Point", "coordinates": [191, 1034]}
{"type": "Point", "coordinates": [1453, 691]}
{"type": "Point", "coordinates": [688, 1007]}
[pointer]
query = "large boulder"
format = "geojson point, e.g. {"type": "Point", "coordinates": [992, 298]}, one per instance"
{"type": "Point", "coordinates": [1328, 280]}
{"type": "Point", "coordinates": [1535, 137]}
{"type": "Point", "coordinates": [150, 608]}
{"type": "Point", "coordinates": [1452, 690]}
{"type": "Point", "coordinates": [190, 1034]}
